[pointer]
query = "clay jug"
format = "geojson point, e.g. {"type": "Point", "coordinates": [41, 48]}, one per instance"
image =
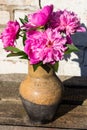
{"type": "Point", "coordinates": [41, 93]}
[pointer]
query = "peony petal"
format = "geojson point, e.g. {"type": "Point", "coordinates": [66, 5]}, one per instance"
{"type": "Point", "coordinates": [81, 29]}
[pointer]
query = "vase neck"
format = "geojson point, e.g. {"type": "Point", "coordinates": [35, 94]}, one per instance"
{"type": "Point", "coordinates": [40, 72]}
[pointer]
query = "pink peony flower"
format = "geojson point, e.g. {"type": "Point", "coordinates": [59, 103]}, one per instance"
{"type": "Point", "coordinates": [55, 46]}
{"type": "Point", "coordinates": [8, 36]}
{"type": "Point", "coordinates": [34, 46]}
{"type": "Point", "coordinates": [39, 18]}
{"type": "Point", "coordinates": [47, 46]}
{"type": "Point", "coordinates": [66, 21]}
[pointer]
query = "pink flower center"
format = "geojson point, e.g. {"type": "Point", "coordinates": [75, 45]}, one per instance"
{"type": "Point", "coordinates": [49, 44]}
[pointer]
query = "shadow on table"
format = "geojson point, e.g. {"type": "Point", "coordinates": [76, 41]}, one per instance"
{"type": "Point", "coordinates": [75, 94]}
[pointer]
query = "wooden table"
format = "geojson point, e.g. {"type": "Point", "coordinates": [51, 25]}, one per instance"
{"type": "Point", "coordinates": [72, 113]}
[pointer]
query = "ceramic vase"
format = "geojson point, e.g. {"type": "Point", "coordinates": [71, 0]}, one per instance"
{"type": "Point", "coordinates": [41, 94]}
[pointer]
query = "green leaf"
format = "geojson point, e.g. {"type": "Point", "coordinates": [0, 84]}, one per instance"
{"type": "Point", "coordinates": [26, 18]}
{"type": "Point", "coordinates": [35, 66]}
{"type": "Point", "coordinates": [24, 38]}
{"type": "Point", "coordinates": [13, 49]}
{"type": "Point", "coordinates": [21, 53]}
{"type": "Point", "coordinates": [71, 48]}
{"type": "Point", "coordinates": [55, 66]}
{"type": "Point", "coordinates": [24, 57]}
{"type": "Point", "coordinates": [12, 54]}
{"type": "Point", "coordinates": [22, 20]}
{"type": "Point", "coordinates": [16, 52]}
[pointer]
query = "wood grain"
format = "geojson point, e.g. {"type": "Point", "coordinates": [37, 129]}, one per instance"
{"type": "Point", "coordinates": [5, 127]}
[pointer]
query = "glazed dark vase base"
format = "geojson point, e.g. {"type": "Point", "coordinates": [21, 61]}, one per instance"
{"type": "Point", "coordinates": [39, 114]}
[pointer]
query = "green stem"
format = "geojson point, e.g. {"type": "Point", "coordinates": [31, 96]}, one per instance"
{"type": "Point", "coordinates": [40, 4]}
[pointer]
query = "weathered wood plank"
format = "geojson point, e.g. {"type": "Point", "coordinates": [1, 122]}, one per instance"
{"type": "Point", "coordinates": [5, 127]}
{"type": "Point", "coordinates": [72, 112]}
{"type": "Point", "coordinates": [9, 85]}
{"type": "Point", "coordinates": [73, 116]}
{"type": "Point", "coordinates": [74, 80]}
{"type": "Point", "coordinates": [75, 94]}
{"type": "Point", "coordinates": [12, 77]}
{"type": "Point", "coordinates": [12, 112]}
{"type": "Point", "coordinates": [9, 90]}
{"type": "Point", "coordinates": [68, 80]}
{"type": "Point", "coordinates": [70, 117]}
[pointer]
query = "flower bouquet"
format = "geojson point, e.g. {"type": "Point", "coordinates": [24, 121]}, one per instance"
{"type": "Point", "coordinates": [46, 37]}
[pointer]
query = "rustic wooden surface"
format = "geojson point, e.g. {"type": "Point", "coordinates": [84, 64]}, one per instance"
{"type": "Point", "coordinates": [27, 128]}
{"type": "Point", "coordinates": [72, 113]}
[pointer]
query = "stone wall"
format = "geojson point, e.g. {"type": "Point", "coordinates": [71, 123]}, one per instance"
{"type": "Point", "coordinates": [13, 9]}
